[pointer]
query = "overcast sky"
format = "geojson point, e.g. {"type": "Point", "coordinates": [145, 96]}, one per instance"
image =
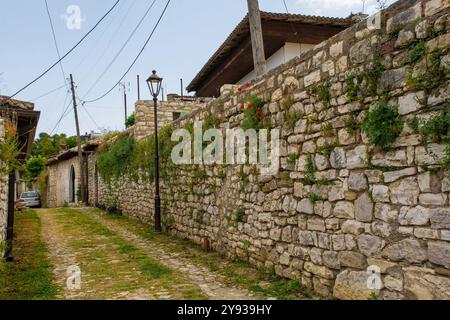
{"type": "Point", "coordinates": [188, 35]}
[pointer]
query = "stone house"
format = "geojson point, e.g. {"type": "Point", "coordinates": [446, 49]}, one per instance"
{"type": "Point", "coordinates": [286, 36]}
{"type": "Point", "coordinates": [19, 120]}
{"type": "Point", "coordinates": [175, 108]}
{"type": "Point", "coordinates": [64, 176]}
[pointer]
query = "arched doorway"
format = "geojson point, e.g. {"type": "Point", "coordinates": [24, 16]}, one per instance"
{"type": "Point", "coordinates": [72, 185]}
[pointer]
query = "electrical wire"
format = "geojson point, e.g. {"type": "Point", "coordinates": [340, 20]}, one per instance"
{"type": "Point", "coordinates": [110, 41]}
{"type": "Point", "coordinates": [293, 28]}
{"type": "Point", "coordinates": [69, 52]}
{"type": "Point", "coordinates": [48, 93]}
{"type": "Point", "coordinates": [135, 60]}
{"type": "Point", "coordinates": [90, 116]}
{"type": "Point", "coordinates": [121, 49]}
{"type": "Point", "coordinates": [55, 42]}
{"type": "Point", "coordinates": [65, 114]}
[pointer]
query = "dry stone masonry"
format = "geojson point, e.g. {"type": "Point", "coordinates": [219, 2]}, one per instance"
{"type": "Point", "coordinates": [168, 111]}
{"type": "Point", "coordinates": [366, 207]}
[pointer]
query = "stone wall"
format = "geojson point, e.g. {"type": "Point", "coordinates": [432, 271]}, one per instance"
{"type": "Point", "coordinates": [388, 209]}
{"type": "Point", "coordinates": [3, 198]}
{"type": "Point", "coordinates": [58, 192]}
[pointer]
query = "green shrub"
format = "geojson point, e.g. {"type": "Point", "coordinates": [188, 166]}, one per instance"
{"type": "Point", "coordinates": [417, 52]}
{"type": "Point", "coordinates": [131, 120]}
{"type": "Point", "coordinates": [322, 92]}
{"type": "Point", "coordinates": [350, 124]}
{"type": "Point", "coordinates": [34, 166]}
{"type": "Point", "coordinates": [351, 87]}
{"type": "Point", "coordinates": [117, 160]}
{"type": "Point", "coordinates": [383, 125]}
{"type": "Point", "coordinates": [437, 128]}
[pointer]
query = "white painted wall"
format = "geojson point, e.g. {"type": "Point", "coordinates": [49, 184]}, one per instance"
{"type": "Point", "coordinates": [286, 53]}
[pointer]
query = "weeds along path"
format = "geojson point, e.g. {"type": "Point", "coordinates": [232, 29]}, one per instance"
{"type": "Point", "coordinates": [212, 284]}
{"type": "Point", "coordinates": [112, 267]}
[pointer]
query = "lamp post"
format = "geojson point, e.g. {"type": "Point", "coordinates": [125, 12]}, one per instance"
{"type": "Point", "coordinates": [154, 84]}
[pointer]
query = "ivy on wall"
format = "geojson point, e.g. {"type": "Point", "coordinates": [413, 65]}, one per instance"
{"type": "Point", "coordinates": [127, 157]}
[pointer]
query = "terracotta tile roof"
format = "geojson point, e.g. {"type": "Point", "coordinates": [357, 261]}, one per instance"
{"type": "Point", "coordinates": [243, 28]}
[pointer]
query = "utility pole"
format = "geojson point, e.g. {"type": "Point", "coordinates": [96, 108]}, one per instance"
{"type": "Point", "coordinates": [182, 91]}
{"type": "Point", "coordinates": [80, 153]}
{"type": "Point", "coordinates": [125, 88]}
{"type": "Point", "coordinates": [138, 88]}
{"type": "Point", "coordinates": [259, 57]}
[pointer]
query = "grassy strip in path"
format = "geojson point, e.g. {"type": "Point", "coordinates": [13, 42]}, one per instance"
{"type": "Point", "coordinates": [29, 276]}
{"type": "Point", "coordinates": [237, 273]}
{"type": "Point", "coordinates": [99, 245]}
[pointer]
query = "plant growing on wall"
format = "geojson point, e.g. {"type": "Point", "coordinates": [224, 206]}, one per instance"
{"type": "Point", "coordinates": [292, 117]}
{"type": "Point", "coordinates": [434, 75]}
{"type": "Point", "coordinates": [253, 114]}
{"type": "Point", "coordinates": [373, 72]}
{"type": "Point", "coordinates": [322, 92]}
{"type": "Point", "coordinates": [383, 125]}
{"type": "Point", "coordinates": [240, 215]}
{"type": "Point", "coordinates": [126, 157]}
{"type": "Point", "coordinates": [437, 128]}
{"type": "Point", "coordinates": [351, 87]}
{"type": "Point", "coordinates": [116, 160]}
{"type": "Point", "coordinates": [9, 149]}
{"type": "Point", "coordinates": [310, 178]}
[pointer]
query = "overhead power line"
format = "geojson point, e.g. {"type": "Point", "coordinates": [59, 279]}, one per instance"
{"type": "Point", "coordinates": [55, 41]}
{"type": "Point", "coordinates": [49, 92]}
{"type": "Point", "coordinates": [121, 49]}
{"type": "Point", "coordinates": [69, 52]}
{"type": "Point", "coordinates": [63, 115]}
{"type": "Point", "coordinates": [137, 57]}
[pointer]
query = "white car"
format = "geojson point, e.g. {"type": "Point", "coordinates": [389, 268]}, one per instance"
{"type": "Point", "coordinates": [31, 199]}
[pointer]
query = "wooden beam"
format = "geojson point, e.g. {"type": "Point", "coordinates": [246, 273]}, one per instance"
{"type": "Point", "coordinates": [259, 58]}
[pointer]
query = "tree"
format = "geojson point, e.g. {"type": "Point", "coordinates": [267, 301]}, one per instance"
{"type": "Point", "coordinates": [34, 166]}
{"type": "Point", "coordinates": [50, 146]}
{"type": "Point", "coordinates": [131, 120]}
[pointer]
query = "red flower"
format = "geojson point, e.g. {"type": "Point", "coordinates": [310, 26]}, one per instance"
{"type": "Point", "coordinates": [251, 105]}
{"type": "Point", "coordinates": [248, 84]}
{"type": "Point", "coordinates": [241, 106]}
{"type": "Point", "coordinates": [261, 116]}
{"type": "Point", "coordinates": [239, 89]}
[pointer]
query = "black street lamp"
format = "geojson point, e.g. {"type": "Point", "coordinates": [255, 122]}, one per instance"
{"type": "Point", "coordinates": [154, 85]}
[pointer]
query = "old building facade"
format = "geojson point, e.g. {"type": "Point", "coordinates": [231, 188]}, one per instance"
{"type": "Point", "coordinates": [18, 122]}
